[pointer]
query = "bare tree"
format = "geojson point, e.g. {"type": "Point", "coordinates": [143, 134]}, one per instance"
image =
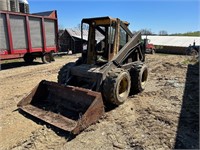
{"type": "Point", "coordinates": [146, 32]}
{"type": "Point", "coordinates": [163, 32]}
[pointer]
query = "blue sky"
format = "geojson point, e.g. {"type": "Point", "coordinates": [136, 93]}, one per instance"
{"type": "Point", "coordinates": [176, 16]}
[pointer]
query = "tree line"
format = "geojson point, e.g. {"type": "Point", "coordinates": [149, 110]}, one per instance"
{"type": "Point", "coordinates": [164, 33]}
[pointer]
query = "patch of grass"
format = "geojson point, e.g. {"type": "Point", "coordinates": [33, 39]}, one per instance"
{"type": "Point", "coordinates": [190, 61]}
{"type": "Point", "coordinates": [186, 62]}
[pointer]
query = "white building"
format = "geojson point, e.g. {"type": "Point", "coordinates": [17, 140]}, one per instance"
{"type": "Point", "coordinates": [176, 41]}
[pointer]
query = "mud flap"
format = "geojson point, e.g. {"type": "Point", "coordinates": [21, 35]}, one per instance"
{"type": "Point", "coordinates": [69, 108]}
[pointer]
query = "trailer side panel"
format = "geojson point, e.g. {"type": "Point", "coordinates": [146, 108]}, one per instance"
{"type": "Point", "coordinates": [18, 29]}
{"type": "Point", "coordinates": [4, 34]}
{"type": "Point", "coordinates": [36, 32]}
{"type": "Point", "coordinates": [50, 32]}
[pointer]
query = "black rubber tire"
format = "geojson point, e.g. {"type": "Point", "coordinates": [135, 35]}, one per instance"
{"type": "Point", "coordinates": [63, 74]}
{"type": "Point", "coordinates": [28, 58]}
{"type": "Point", "coordinates": [194, 53]}
{"type": "Point", "coordinates": [139, 76]}
{"type": "Point", "coordinates": [114, 82]}
{"type": "Point", "coordinates": [52, 56]}
{"type": "Point", "coordinates": [191, 52]}
{"type": "Point", "coordinates": [47, 58]}
{"type": "Point", "coordinates": [79, 61]}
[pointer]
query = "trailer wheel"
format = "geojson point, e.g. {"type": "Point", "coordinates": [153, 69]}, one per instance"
{"type": "Point", "coordinates": [116, 86]}
{"type": "Point", "coordinates": [194, 53]}
{"type": "Point", "coordinates": [63, 74]}
{"type": "Point", "coordinates": [139, 75]}
{"type": "Point", "coordinates": [52, 56]}
{"type": "Point", "coordinates": [28, 58]}
{"type": "Point", "coordinates": [47, 58]}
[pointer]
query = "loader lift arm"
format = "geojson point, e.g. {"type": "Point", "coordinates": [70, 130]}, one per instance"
{"type": "Point", "coordinates": [130, 47]}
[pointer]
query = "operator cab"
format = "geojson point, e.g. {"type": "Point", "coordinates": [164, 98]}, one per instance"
{"type": "Point", "coordinates": [106, 37]}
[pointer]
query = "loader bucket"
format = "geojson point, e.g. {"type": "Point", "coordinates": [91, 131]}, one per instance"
{"type": "Point", "coordinates": [69, 108]}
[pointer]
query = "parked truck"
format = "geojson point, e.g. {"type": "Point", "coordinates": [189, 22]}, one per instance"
{"type": "Point", "coordinates": [150, 48]}
{"type": "Point", "coordinates": [28, 35]}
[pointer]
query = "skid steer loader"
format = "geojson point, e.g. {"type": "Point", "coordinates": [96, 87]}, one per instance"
{"type": "Point", "coordinates": [109, 70]}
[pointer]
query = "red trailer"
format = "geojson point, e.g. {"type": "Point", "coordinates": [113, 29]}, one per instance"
{"type": "Point", "coordinates": [28, 35]}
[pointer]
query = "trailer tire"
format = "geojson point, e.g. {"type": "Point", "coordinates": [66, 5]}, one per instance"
{"type": "Point", "coordinates": [139, 75]}
{"type": "Point", "coordinates": [116, 86]}
{"type": "Point", "coordinates": [47, 58]}
{"type": "Point", "coordinates": [28, 58]}
{"type": "Point", "coordinates": [63, 74]}
{"type": "Point", "coordinates": [52, 56]}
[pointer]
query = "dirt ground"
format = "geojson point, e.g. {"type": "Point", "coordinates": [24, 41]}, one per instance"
{"type": "Point", "coordinates": [164, 116]}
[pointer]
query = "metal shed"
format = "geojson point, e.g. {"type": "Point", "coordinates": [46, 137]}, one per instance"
{"type": "Point", "coordinates": [70, 39]}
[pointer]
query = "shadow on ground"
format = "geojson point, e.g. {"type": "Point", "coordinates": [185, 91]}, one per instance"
{"type": "Point", "coordinates": [188, 128]}
{"type": "Point", "coordinates": [11, 65]}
